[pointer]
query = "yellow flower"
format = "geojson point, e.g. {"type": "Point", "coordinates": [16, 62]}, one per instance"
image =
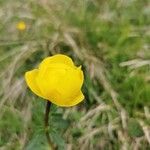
{"type": "Point", "coordinates": [58, 80]}
{"type": "Point", "coordinates": [21, 26]}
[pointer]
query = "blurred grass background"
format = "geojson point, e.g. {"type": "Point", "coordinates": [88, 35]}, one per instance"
{"type": "Point", "coordinates": [111, 41]}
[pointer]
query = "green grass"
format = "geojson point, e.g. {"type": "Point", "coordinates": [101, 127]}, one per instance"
{"type": "Point", "coordinates": [110, 39]}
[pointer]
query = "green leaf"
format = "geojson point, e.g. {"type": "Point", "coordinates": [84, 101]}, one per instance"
{"type": "Point", "coordinates": [38, 142]}
{"type": "Point", "coordinates": [58, 122]}
{"type": "Point", "coordinates": [10, 123]}
{"type": "Point", "coordinates": [58, 140]}
{"type": "Point", "coordinates": [134, 128]}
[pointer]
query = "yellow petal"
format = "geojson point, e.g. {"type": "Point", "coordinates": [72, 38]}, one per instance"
{"type": "Point", "coordinates": [70, 102]}
{"type": "Point", "coordinates": [71, 83]}
{"type": "Point", "coordinates": [57, 82]}
{"type": "Point", "coordinates": [30, 78]}
{"type": "Point", "coordinates": [67, 93]}
{"type": "Point", "coordinates": [21, 25]}
{"type": "Point", "coordinates": [59, 58]}
{"type": "Point", "coordinates": [50, 78]}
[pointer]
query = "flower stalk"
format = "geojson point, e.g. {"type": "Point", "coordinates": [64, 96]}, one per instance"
{"type": "Point", "coordinates": [46, 123]}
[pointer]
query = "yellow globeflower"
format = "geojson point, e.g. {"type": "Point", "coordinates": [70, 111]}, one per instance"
{"type": "Point", "coordinates": [21, 26]}
{"type": "Point", "coordinates": [58, 80]}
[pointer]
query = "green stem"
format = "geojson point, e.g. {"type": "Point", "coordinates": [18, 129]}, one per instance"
{"type": "Point", "coordinates": [46, 121]}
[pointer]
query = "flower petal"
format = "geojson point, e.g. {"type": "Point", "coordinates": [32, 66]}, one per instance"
{"type": "Point", "coordinates": [59, 58]}
{"type": "Point", "coordinates": [30, 78]}
{"type": "Point", "coordinates": [71, 83]}
{"type": "Point", "coordinates": [49, 78]}
{"type": "Point", "coordinates": [70, 102]}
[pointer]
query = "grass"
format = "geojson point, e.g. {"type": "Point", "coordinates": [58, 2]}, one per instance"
{"type": "Point", "coordinates": [111, 41]}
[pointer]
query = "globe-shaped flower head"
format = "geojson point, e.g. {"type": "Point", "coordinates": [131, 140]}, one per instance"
{"type": "Point", "coordinates": [58, 80]}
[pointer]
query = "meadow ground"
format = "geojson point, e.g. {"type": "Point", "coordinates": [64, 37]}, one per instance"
{"type": "Point", "coordinates": [111, 41]}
